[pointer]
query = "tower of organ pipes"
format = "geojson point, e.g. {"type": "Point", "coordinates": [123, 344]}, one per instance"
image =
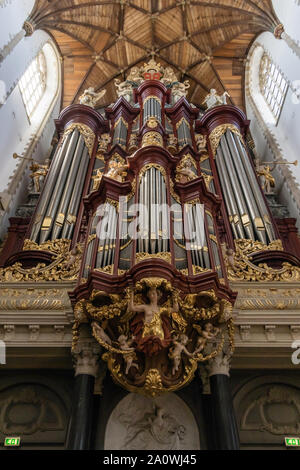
{"type": "Point", "coordinates": [152, 209]}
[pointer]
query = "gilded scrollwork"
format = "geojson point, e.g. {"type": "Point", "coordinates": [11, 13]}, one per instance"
{"type": "Point", "coordinates": [86, 132]}
{"type": "Point", "coordinates": [241, 268]}
{"type": "Point", "coordinates": [64, 267]}
{"type": "Point", "coordinates": [219, 131]}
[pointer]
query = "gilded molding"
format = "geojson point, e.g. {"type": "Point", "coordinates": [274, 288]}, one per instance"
{"type": "Point", "coordinates": [218, 132]}
{"type": "Point", "coordinates": [86, 132]}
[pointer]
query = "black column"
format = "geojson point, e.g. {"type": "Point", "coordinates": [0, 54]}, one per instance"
{"type": "Point", "coordinates": [223, 413]}
{"type": "Point", "coordinates": [80, 425]}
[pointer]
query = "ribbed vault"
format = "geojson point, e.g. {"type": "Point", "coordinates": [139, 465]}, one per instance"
{"type": "Point", "coordinates": [204, 41]}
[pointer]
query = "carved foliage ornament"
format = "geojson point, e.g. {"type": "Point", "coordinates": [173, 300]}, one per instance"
{"type": "Point", "coordinates": [64, 267]}
{"type": "Point", "coordinates": [154, 335]}
{"type": "Point", "coordinates": [241, 268]}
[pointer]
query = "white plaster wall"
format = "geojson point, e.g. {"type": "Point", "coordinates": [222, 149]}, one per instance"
{"type": "Point", "coordinates": [285, 134]}
{"type": "Point", "coordinates": [18, 134]}
{"type": "Point", "coordinates": [13, 13]}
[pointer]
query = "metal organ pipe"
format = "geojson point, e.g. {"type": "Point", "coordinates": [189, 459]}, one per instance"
{"type": "Point", "coordinates": [228, 194]}
{"type": "Point", "coordinates": [239, 197]}
{"type": "Point", "coordinates": [249, 197]}
{"type": "Point", "coordinates": [58, 189]}
{"type": "Point", "coordinates": [51, 180]}
{"type": "Point", "coordinates": [68, 189]}
{"type": "Point", "coordinates": [76, 196]}
{"type": "Point", "coordinates": [254, 185]}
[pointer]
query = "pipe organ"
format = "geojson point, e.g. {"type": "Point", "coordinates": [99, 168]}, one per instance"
{"type": "Point", "coordinates": [152, 211]}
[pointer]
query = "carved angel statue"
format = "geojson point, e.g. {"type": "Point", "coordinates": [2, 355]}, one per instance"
{"type": "Point", "coordinates": [176, 350]}
{"type": "Point", "coordinates": [90, 98]}
{"type": "Point", "coordinates": [124, 89]}
{"type": "Point", "coordinates": [184, 172]}
{"type": "Point", "coordinates": [117, 170]}
{"type": "Point", "coordinates": [38, 174]}
{"type": "Point", "coordinates": [101, 333]}
{"type": "Point", "coordinates": [265, 176]}
{"type": "Point", "coordinates": [201, 143]}
{"type": "Point", "coordinates": [125, 345]}
{"type": "Point", "coordinates": [104, 142]}
{"type": "Point", "coordinates": [180, 89]}
{"type": "Point", "coordinates": [97, 179]}
{"type": "Point", "coordinates": [213, 99]}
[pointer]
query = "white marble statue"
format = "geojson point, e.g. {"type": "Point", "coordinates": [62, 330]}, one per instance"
{"type": "Point", "coordinates": [90, 97]}
{"type": "Point", "coordinates": [213, 99]}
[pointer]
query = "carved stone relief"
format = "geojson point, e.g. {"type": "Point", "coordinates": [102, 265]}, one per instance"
{"type": "Point", "coordinates": [164, 423]}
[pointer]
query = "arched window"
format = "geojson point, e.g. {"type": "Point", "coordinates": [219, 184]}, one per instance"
{"type": "Point", "coordinates": [33, 83]}
{"type": "Point", "coordinates": [273, 85]}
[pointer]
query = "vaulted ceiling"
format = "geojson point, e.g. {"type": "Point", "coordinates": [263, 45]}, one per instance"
{"type": "Point", "coordinates": [204, 41]}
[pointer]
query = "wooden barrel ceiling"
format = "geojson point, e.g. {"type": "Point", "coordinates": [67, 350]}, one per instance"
{"type": "Point", "coordinates": [205, 42]}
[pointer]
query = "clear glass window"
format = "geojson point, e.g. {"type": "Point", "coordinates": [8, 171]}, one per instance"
{"type": "Point", "coordinates": [273, 86]}
{"type": "Point", "coordinates": [33, 83]}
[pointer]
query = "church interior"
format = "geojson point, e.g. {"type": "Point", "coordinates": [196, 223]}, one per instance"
{"type": "Point", "coordinates": [149, 225]}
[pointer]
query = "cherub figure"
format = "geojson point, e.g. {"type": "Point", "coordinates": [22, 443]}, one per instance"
{"type": "Point", "coordinates": [97, 179]}
{"type": "Point", "coordinates": [184, 172]}
{"type": "Point", "coordinates": [130, 356]}
{"type": "Point", "coordinates": [176, 350]}
{"type": "Point", "coordinates": [90, 97]}
{"type": "Point", "coordinates": [201, 143]}
{"type": "Point", "coordinates": [209, 331]}
{"type": "Point", "coordinates": [101, 333]}
{"type": "Point", "coordinates": [213, 99]}
{"type": "Point", "coordinates": [117, 170]}
{"type": "Point", "coordinates": [201, 341]}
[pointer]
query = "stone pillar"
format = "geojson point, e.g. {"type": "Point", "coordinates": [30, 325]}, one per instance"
{"type": "Point", "coordinates": [225, 426]}
{"type": "Point", "coordinates": [86, 357]}
{"type": "Point", "coordinates": [280, 33]}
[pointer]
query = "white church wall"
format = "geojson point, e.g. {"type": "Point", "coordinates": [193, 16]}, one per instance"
{"type": "Point", "coordinates": [28, 138]}
{"type": "Point", "coordinates": [279, 140]}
